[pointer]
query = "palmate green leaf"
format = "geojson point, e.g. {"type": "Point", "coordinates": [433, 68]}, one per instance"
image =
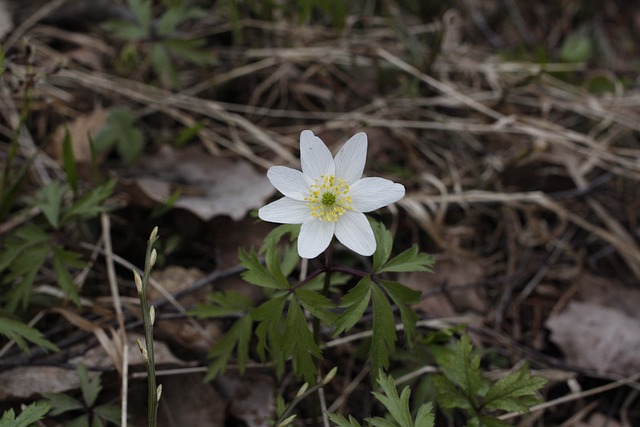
{"type": "Point", "coordinates": [384, 331]}
{"type": "Point", "coordinates": [21, 333]}
{"type": "Point", "coordinates": [222, 304]}
{"type": "Point", "coordinates": [486, 421]}
{"type": "Point", "coordinates": [90, 204]}
{"type": "Point", "coordinates": [299, 343]}
{"type": "Point", "coordinates": [384, 243]}
{"type": "Point", "coordinates": [121, 133]}
{"type": "Point", "coordinates": [409, 260]}
{"type": "Point", "coordinates": [238, 338]}
{"type": "Point", "coordinates": [356, 302]}
{"type": "Point", "coordinates": [341, 421]}
{"type": "Point", "coordinates": [515, 392]}
{"type": "Point", "coordinates": [398, 407]}
{"type": "Point", "coordinates": [258, 274]}
{"type": "Point", "coordinates": [404, 297]}
{"type": "Point", "coordinates": [31, 414]}
{"type": "Point", "coordinates": [19, 241]}
{"type": "Point", "coordinates": [463, 368]}
{"type": "Point", "coordinates": [449, 395]}
{"type": "Point", "coordinates": [142, 11]}
{"type": "Point", "coordinates": [90, 386]}
{"type": "Point", "coordinates": [61, 403]}
{"type": "Point", "coordinates": [175, 15]}
{"type": "Point", "coordinates": [81, 421]}
{"type": "Point", "coordinates": [163, 64]}
{"type": "Point", "coordinates": [317, 304]}
{"type": "Point", "coordinates": [193, 51]}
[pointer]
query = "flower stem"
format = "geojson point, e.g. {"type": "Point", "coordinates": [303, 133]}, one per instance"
{"type": "Point", "coordinates": [325, 289]}
{"type": "Point", "coordinates": [148, 317]}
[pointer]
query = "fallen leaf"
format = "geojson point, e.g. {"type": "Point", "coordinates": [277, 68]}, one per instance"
{"type": "Point", "coordinates": [80, 130]}
{"type": "Point", "coordinates": [250, 397]}
{"type": "Point", "coordinates": [209, 186]}
{"type": "Point", "coordinates": [600, 338]}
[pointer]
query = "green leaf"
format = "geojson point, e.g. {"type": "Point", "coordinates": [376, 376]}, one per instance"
{"type": "Point", "coordinates": [299, 343]}
{"type": "Point", "coordinates": [398, 406]}
{"type": "Point", "coordinates": [270, 330]}
{"type": "Point", "coordinates": [449, 395]}
{"type": "Point", "coordinates": [187, 134]}
{"type": "Point", "coordinates": [90, 386]}
{"type": "Point", "coordinates": [462, 368]}
{"type": "Point", "coordinates": [317, 304]}
{"type": "Point", "coordinates": [91, 204]}
{"type": "Point", "coordinates": [191, 50]}
{"type": "Point", "coordinates": [65, 281]}
{"type": "Point", "coordinates": [273, 238]}
{"type": "Point", "coordinates": [403, 297]}
{"type": "Point", "coordinates": [109, 413]}
{"type": "Point", "coordinates": [486, 421]}
{"type": "Point", "coordinates": [176, 15]}
{"type": "Point", "coordinates": [356, 302]}
{"type": "Point", "coordinates": [19, 332]}
{"type": "Point", "coordinates": [384, 242]}
{"type": "Point", "coordinates": [120, 133]}
{"type": "Point", "coordinates": [409, 260]}
{"type": "Point", "coordinates": [238, 337]}
{"type": "Point", "coordinates": [222, 304]}
{"type": "Point", "coordinates": [125, 30]}
{"type": "Point", "coordinates": [31, 414]}
{"type": "Point", "coordinates": [61, 403]}
{"type": "Point", "coordinates": [425, 416]}
{"type": "Point", "coordinates": [49, 200]}
{"type": "Point", "coordinates": [69, 161]}
{"type": "Point", "coordinates": [163, 66]}
{"type": "Point", "coordinates": [81, 421]}
{"type": "Point", "coordinates": [341, 421]}
{"type": "Point", "coordinates": [515, 392]}
{"type": "Point", "coordinates": [578, 47]}
{"type": "Point", "coordinates": [142, 11]}
{"type": "Point", "coordinates": [384, 331]}
{"type": "Point", "coordinates": [257, 274]}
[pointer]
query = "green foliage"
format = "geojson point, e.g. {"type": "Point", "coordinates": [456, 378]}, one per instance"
{"type": "Point", "coordinates": [397, 406]}
{"type": "Point", "coordinates": [92, 414]}
{"type": "Point", "coordinates": [163, 36]}
{"type": "Point", "coordinates": [121, 134]}
{"type": "Point", "coordinates": [577, 47]}
{"type": "Point", "coordinates": [463, 386]}
{"type": "Point", "coordinates": [32, 246]}
{"type": "Point", "coordinates": [30, 415]}
{"type": "Point", "coordinates": [20, 333]}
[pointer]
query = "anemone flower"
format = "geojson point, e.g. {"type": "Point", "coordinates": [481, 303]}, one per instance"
{"type": "Point", "coordinates": [329, 197]}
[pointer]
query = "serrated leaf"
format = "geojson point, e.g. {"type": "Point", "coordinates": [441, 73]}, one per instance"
{"type": "Point", "coordinates": [356, 302]}
{"type": "Point", "coordinates": [90, 204]}
{"type": "Point", "coordinates": [425, 416]}
{"type": "Point", "coordinates": [409, 260]}
{"type": "Point", "coordinates": [463, 368]}
{"type": "Point", "coordinates": [31, 414]}
{"type": "Point", "coordinates": [514, 392]}
{"type": "Point", "coordinates": [384, 243]}
{"type": "Point", "coordinates": [397, 405]}
{"type": "Point", "coordinates": [142, 11]}
{"type": "Point", "coordinates": [20, 240]}
{"type": "Point", "coordinates": [449, 395]}
{"type": "Point", "coordinates": [257, 274]}
{"type": "Point", "coordinates": [61, 403]}
{"type": "Point", "coordinates": [163, 65]}
{"type": "Point", "coordinates": [19, 332]}
{"type": "Point", "coordinates": [486, 421]}
{"type": "Point", "coordinates": [299, 343]}
{"type": "Point", "coordinates": [270, 330]}
{"type": "Point", "coordinates": [341, 421]}
{"type": "Point", "coordinates": [238, 338]}
{"type": "Point", "coordinates": [317, 304]}
{"type": "Point", "coordinates": [384, 331]}
{"type": "Point", "coordinates": [22, 273]}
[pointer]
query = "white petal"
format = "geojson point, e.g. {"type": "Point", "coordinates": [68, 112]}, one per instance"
{"type": "Point", "coordinates": [370, 194]}
{"type": "Point", "coordinates": [285, 211]}
{"type": "Point", "coordinates": [351, 158]}
{"type": "Point", "coordinates": [315, 157]}
{"type": "Point", "coordinates": [354, 231]}
{"type": "Point", "coordinates": [315, 236]}
{"type": "Point", "coordinates": [290, 182]}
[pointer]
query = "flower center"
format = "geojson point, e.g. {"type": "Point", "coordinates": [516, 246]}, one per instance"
{"type": "Point", "coordinates": [328, 198]}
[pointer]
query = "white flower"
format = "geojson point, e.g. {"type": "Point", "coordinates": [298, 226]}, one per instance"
{"type": "Point", "coordinates": [329, 196]}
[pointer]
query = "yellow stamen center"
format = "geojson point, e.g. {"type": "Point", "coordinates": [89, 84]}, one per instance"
{"type": "Point", "coordinates": [328, 198]}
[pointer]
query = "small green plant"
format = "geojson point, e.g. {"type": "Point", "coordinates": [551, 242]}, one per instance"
{"type": "Point", "coordinates": [90, 413]}
{"type": "Point", "coordinates": [161, 38]}
{"type": "Point", "coordinates": [31, 414]}
{"type": "Point", "coordinates": [121, 134]}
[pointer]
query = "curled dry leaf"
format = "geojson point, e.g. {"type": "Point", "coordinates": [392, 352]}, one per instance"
{"type": "Point", "coordinates": [209, 186]}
